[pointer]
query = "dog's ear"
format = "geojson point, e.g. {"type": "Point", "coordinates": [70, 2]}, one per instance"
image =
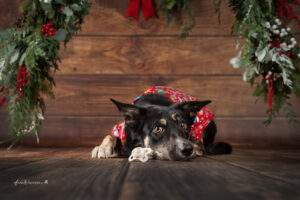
{"type": "Point", "coordinates": [131, 112]}
{"type": "Point", "coordinates": [190, 108]}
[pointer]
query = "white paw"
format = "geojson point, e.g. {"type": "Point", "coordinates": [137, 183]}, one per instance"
{"type": "Point", "coordinates": [103, 151]}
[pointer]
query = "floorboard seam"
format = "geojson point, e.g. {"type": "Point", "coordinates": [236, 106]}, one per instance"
{"type": "Point", "coordinates": [251, 170]}
{"type": "Point", "coordinates": [121, 177]}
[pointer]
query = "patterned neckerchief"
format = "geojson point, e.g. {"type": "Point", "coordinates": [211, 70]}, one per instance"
{"type": "Point", "coordinates": [203, 118]}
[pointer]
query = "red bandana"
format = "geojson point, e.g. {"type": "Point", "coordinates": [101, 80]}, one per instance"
{"type": "Point", "coordinates": [203, 118]}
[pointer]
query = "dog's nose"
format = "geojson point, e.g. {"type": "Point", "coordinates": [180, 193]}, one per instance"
{"type": "Point", "coordinates": [187, 151]}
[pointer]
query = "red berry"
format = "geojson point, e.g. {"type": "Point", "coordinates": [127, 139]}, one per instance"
{"type": "Point", "coordinates": [271, 46]}
{"type": "Point", "coordinates": [288, 54]}
{"type": "Point", "coordinates": [0, 104]}
{"type": "Point", "coordinates": [1, 89]}
{"type": "Point", "coordinates": [50, 24]}
{"type": "Point", "coordinates": [277, 45]}
{"type": "Point", "coordinates": [46, 35]}
{"type": "Point", "coordinates": [277, 39]}
{"type": "Point", "coordinates": [44, 26]}
{"type": "Point", "coordinates": [52, 29]}
{"type": "Point", "coordinates": [3, 99]}
{"type": "Point", "coordinates": [53, 34]}
{"type": "Point", "coordinates": [280, 52]}
{"type": "Point", "coordinates": [61, 9]}
{"type": "Point", "coordinates": [43, 30]}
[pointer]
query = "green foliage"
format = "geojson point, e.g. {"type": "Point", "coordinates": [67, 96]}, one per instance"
{"type": "Point", "coordinates": [258, 55]}
{"type": "Point", "coordinates": [26, 43]}
{"type": "Point", "coordinates": [171, 7]}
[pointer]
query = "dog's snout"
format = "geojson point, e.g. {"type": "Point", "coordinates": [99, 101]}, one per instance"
{"type": "Point", "coordinates": [187, 151]}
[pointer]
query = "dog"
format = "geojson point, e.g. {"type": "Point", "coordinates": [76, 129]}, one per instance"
{"type": "Point", "coordinates": [167, 121]}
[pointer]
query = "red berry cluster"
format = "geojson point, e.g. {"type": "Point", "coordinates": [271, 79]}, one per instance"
{"type": "Point", "coordinates": [23, 78]}
{"type": "Point", "coordinates": [48, 29]}
{"type": "Point", "coordinates": [276, 43]}
{"type": "Point", "coordinates": [3, 98]}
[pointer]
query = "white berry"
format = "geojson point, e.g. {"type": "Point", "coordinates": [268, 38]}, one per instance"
{"type": "Point", "coordinates": [293, 39]}
{"type": "Point", "coordinates": [270, 73]}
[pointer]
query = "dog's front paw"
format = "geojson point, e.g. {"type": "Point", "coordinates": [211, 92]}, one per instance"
{"type": "Point", "coordinates": [103, 151]}
{"type": "Point", "coordinates": [106, 149]}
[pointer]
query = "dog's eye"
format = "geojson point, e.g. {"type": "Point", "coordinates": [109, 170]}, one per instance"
{"type": "Point", "coordinates": [158, 130]}
{"type": "Point", "coordinates": [183, 126]}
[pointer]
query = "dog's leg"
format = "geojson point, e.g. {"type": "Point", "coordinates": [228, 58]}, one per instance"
{"type": "Point", "coordinates": [106, 149]}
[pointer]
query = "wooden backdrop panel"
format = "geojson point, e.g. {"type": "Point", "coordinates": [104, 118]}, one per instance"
{"type": "Point", "coordinates": [90, 94]}
{"type": "Point", "coordinates": [148, 55]}
{"type": "Point", "coordinates": [66, 131]}
{"type": "Point", "coordinates": [115, 57]}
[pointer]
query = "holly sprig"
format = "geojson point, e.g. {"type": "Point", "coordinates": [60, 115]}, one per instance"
{"type": "Point", "coordinates": [29, 58]}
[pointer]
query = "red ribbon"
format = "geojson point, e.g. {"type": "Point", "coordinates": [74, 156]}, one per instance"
{"type": "Point", "coordinates": [134, 7]}
{"type": "Point", "coordinates": [284, 10]}
{"type": "Point", "coordinates": [270, 91]}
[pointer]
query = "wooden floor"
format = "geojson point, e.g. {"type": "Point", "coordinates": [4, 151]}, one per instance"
{"type": "Point", "coordinates": [70, 174]}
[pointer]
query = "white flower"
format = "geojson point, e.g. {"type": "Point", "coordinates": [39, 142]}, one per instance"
{"type": "Point", "coordinates": [46, 1]}
{"type": "Point", "coordinates": [274, 26]}
{"type": "Point", "coordinates": [282, 34]}
{"type": "Point", "coordinates": [270, 73]}
{"type": "Point", "coordinates": [276, 32]}
{"type": "Point", "coordinates": [293, 39]}
{"type": "Point", "coordinates": [277, 20]}
{"type": "Point", "coordinates": [267, 24]}
{"type": "Point", "coordinates": [288, 29]}
{"type": "Point", "coordinates": [298, 55]}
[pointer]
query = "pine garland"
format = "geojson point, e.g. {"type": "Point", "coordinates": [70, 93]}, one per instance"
{"type": "Point", "coordinates": [169, 7]}
{"type": "Point", "coordinates": [29, 58]}
{"type": "Point", "coordinates": [268, 53]}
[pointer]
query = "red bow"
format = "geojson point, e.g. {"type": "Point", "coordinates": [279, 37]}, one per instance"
{"type": "Point", "coordinates": [134, 7]}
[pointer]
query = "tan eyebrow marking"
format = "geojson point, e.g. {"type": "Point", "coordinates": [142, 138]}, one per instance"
{"type": "Point", "coordinates": [174, 116]}
{"type": "Point", "coordinates": [163, 121]}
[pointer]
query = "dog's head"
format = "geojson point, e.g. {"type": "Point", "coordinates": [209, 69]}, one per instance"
{"type": "Point", "coordinates": [165, 129]}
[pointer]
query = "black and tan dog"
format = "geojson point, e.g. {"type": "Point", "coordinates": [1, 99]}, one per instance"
{"type": "Point", "coordinates": [155, 122]}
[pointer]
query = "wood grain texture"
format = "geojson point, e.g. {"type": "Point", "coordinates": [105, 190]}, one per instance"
{"type": "Point", "coordinates": [71, 174]}
{"type": "Point", "coordinates": [140, 55]}
{"type": "Point", "coordinates": [62, 131]}
{"type": "Point", "coordinates": [201, 179]}
{"type": "Point", "coordinates": [254, 160]}
{"type": "Point", "coordinates": [90, 94]}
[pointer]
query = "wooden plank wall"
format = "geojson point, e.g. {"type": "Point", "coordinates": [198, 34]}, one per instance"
{"type": "Point", "coordinates": [118, 58]}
